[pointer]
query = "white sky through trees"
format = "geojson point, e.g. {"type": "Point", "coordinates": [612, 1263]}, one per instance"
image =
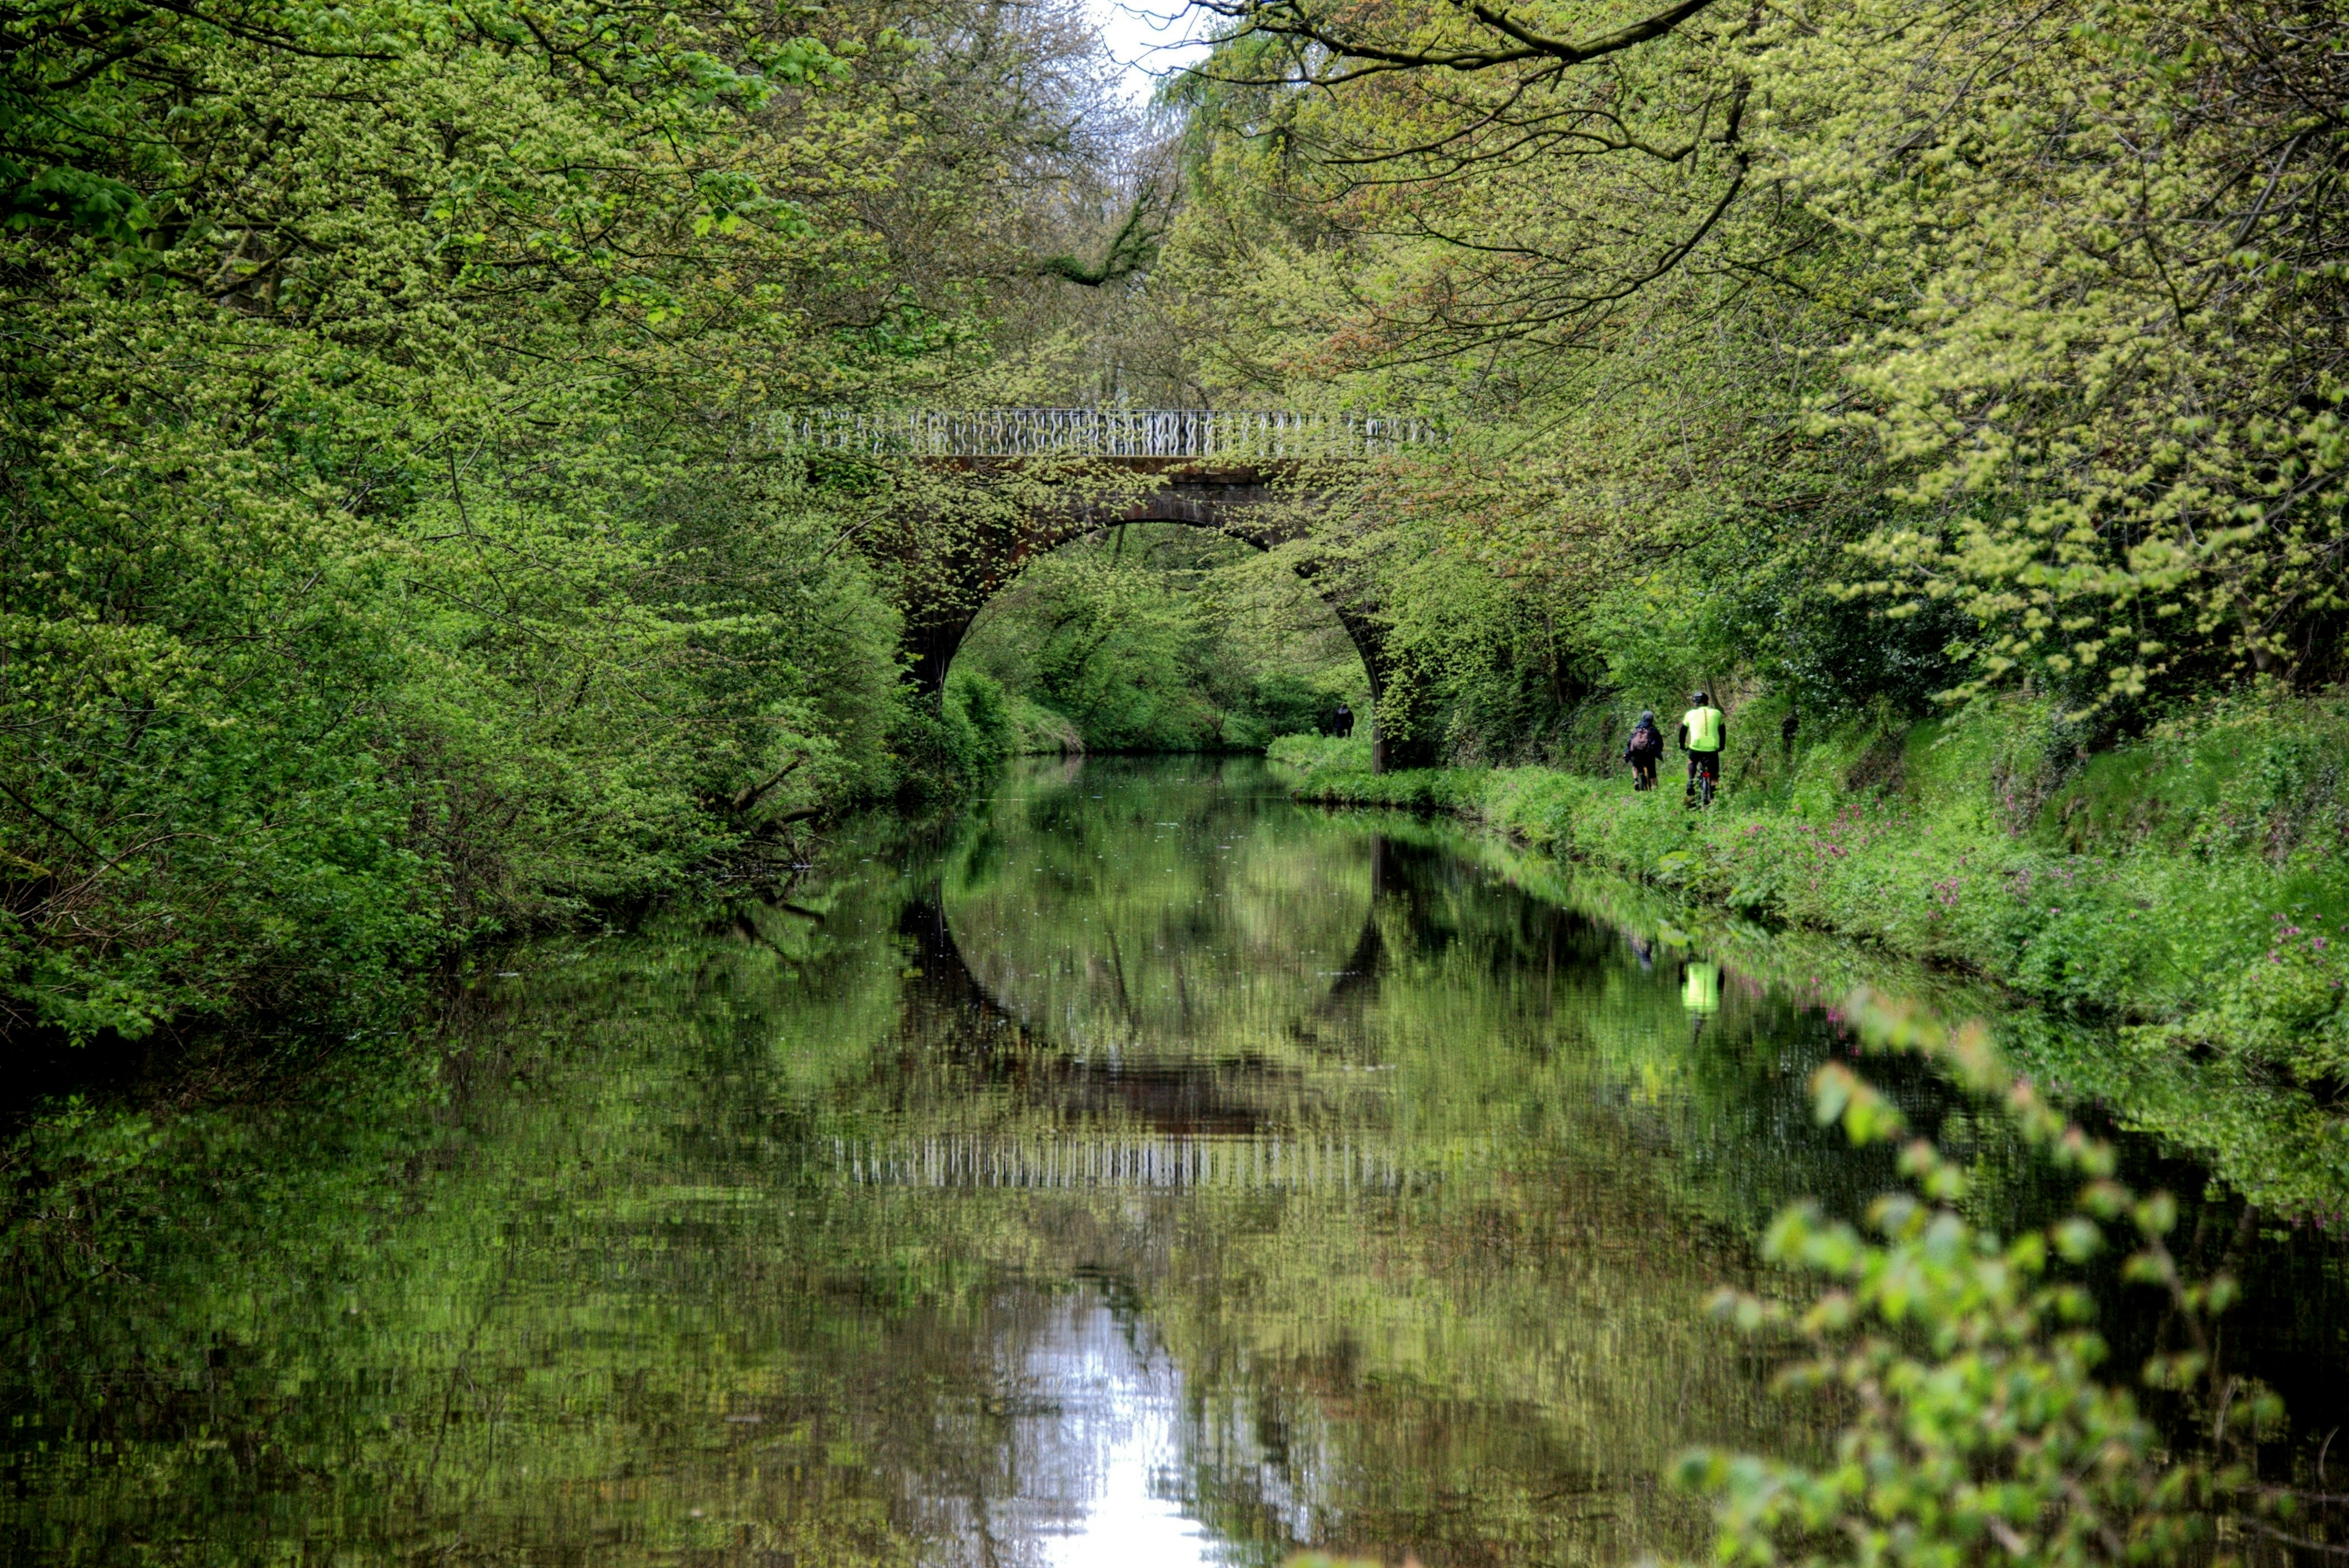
{"type": "Point", "coordinates": [1148, 39]}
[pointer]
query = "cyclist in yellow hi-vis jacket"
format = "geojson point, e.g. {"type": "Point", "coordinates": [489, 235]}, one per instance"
{"type": "Point", "coordinates": [1700, 989]}
{"type": "Point", "coordinates": [1704, 730]}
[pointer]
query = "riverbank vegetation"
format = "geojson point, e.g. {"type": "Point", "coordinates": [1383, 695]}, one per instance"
{"type": "Point", "coordinates": [396, 548]}
{"type": "Point", "coordinates": [2184, 889]}
{"type": "Point", "coordinates": [1956, 396]}
{"type": "Point", "coordinates": [2134, 887]}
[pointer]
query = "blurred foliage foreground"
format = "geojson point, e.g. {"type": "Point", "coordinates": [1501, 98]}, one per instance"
{"type": "Point", "coordinates": [1147, 1148]}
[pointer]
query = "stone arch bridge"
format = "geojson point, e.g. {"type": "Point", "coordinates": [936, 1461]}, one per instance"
{"type": "Point", "coordinates": [1214, 469]}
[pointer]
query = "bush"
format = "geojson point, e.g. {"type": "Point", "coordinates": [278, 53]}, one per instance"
{"type": "Point", "coordinates": [977, 708]}
{"type": "Point", "coordinates": [950, 744]}
{"type": "Point", "coordinates": [1038, 731]}
{"type": "Point", "coordinates": [1978, 1428]}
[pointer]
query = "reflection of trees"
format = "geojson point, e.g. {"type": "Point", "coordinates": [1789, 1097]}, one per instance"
{"type": "Point", "coordinates": [1372, 1151]}
{"type": "Point", "coordinates": [1389, 1194]}
{"type": "Point", "coordinates": [1470, 1359]}
{"type": "Point", "coordinates": [501, 1312]}
{"type": "Point", "coordinates": [1158, 915]}
{"type": "Point", "coordinates": [951, 1020]}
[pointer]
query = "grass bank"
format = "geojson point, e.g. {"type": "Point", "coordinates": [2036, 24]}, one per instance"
{"type": "Point", "coordinates": [2186, 886]}
{"type": "Point", "coordinates": [2261, 1136]}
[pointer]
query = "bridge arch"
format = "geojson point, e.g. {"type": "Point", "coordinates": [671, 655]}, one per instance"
{"type": "Point", "coordinates": [1221, 470]}
{"type": "Point", "coordinates": [1233, 503]}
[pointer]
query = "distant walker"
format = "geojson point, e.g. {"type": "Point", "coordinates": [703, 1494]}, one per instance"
{"type": "Point", "coordinates": [1644, 750]}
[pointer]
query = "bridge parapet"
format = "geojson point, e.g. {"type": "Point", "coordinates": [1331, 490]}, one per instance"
{"type": "Point", "coordinates": [1130, 1160]}
{"type": "Point", "coordinates": [1229, 435]}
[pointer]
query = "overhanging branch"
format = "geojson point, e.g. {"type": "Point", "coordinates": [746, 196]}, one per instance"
{"type": "Point", "coordinates": [1352, 56]}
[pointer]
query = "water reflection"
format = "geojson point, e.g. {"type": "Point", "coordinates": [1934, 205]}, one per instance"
{"type": "Point", "coordinates": [1117, 1405]}
{"type": "Point", "coordinates": [1152, 1172]}
{"type": "Point", "coordinates": [1172, 921]}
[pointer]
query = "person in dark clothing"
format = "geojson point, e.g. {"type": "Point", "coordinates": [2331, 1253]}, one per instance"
{"type": "Point", "coordinates": [1644, 750]}
{"type": "Point", "coordinates": [1704, 733]}
{"type": "Point", "coordinates": [1342, 723]}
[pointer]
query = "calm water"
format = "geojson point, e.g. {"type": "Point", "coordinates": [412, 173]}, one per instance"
{"type": "Point", "coordinates": [1144, 1172]}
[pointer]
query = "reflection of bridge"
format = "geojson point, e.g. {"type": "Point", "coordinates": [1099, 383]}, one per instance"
{"type": "Point", "coordinates": [1135, 1159]}
{"type": "Point", "coordinates": [1162, 1110]}
{"type": "Point", "coordinates": [1245, 435]}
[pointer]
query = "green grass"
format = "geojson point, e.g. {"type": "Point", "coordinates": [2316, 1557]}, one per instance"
{"type": "Point", "coordinates": [2188, 883]}
{"type": "Point", "coordinates": [1040, 732]}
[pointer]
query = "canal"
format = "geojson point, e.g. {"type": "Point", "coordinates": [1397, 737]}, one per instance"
{"type": "Point", "coordinates": [1139, 1170]}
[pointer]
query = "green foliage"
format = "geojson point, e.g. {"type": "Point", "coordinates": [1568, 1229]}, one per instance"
{"type": "Point", "coordinates": [2161, 440]}
{"type": "Point", "coordinates": [1161, 637]}
{"type": "Point", "coordinates": [1306, 755]}
{"type": "Point", "coordinates": [394, 551]}
{"type": "Point", "coordinates": [2283, 1011]}
{"type": "Point", "coordinates": [984, 714]}
{"type": "Point", "coordinates": [971, 735]}
{"type": "Point", "coordinates": [1924, 839]}
{"type": "Point", "coordinates": [1338, 772]}
{"type": "Point", "coordinates": [1038, 732]}
{"type": "Point", "coordinates": [1977, 1429]}
{"type": "Point", "coordinates": [1835, 369]}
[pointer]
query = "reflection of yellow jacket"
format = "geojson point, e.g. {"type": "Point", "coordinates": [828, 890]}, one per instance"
{"type": "Point", "coordinates": [1700, 988]}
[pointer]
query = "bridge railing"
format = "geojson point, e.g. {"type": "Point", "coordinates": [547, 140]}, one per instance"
{"type": "Point", "coordinates": [1130, 1160]}
{"type": "Point", "coordinates": [1235, 433]}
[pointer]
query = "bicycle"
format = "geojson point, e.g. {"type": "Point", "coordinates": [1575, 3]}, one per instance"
{"type": "Point", "coordinates": [1702, 785]}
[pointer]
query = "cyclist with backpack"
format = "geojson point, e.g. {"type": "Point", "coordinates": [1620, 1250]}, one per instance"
{"type": "Point", "coordinates": [1644, 750]}
{"type": "Point", "coordinates": [1704, 730]}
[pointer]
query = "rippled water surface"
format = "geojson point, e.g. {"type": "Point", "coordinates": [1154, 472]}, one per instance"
{"type": "Point", "coordinates": [1144, 1171]}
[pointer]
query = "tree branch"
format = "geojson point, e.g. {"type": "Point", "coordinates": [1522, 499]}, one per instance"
{"type": "Point", "coordinates": [1291, 19]}
{"type": "Point", "coordinates": [747, 796]}
{"type": "Point", "coordinates": [1131, 250]}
